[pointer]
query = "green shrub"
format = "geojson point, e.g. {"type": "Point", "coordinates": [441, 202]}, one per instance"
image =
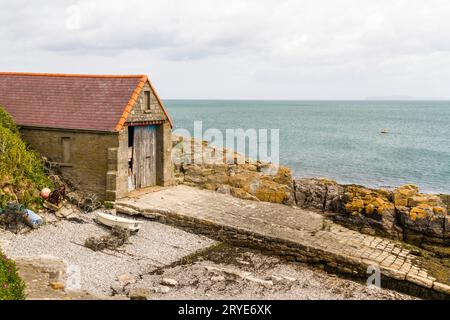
{"type": "Point", "coordinates": [7, 122]}
{"type": "Point", "coordinates": [21, 169]}
{"type": "Point", "coordinates": [12, 286]}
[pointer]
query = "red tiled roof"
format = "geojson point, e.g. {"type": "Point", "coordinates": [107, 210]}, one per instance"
{"type": "Point", "coordinates": [71, 101]}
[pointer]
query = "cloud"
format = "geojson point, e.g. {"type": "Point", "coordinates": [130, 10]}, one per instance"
{"type": "Point", "coordinates": [249, 48]}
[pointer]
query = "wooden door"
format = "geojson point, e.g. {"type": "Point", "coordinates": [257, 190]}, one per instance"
{"type": "Point", "coordinates": [144, 156]}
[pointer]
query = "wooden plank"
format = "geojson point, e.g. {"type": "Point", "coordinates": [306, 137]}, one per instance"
{"type": "Point", "coordinates": [145, 156]}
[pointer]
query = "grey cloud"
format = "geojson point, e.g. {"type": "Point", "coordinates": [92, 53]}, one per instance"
{"type": "Point", "coordinates": [252, 44]}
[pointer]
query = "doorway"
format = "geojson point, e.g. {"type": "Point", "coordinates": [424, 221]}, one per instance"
{"type": "Point", "coordinates": [142, 150]}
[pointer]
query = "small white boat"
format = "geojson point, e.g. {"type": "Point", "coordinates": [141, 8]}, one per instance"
{"type": "Point", "coordinates": [384, 131]}
{"type": "Point", "coordinates": [111, 221]}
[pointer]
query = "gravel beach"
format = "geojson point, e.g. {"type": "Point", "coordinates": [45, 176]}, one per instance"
{"type": "Point", "coordinates": [163, 262]}
{"type": "Point", "coordinates": [154, 246]}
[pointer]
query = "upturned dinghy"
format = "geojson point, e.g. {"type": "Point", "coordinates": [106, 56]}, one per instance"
{"type": "Point", "coordinates": [111, 221]}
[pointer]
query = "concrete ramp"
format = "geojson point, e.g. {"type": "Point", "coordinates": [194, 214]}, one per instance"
{"type": "Point", "coordinates": [298, 235]}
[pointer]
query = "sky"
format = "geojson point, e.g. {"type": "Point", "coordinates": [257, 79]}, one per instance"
{"type": "Point", "coordinates": [246, 49]}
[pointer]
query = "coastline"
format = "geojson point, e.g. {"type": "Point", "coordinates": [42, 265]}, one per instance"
{"type": "Point", "coordinates": [402, 213]}
{"type": "Point", "coordinates": [369, 184]}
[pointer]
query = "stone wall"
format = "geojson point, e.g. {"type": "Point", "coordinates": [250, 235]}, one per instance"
{"type": "Point", "coordinates": [164, 166]}
{"type": "Point", "coordinates": [117, 175]}
{"type": "Point", "coordinates": [139, 113]}
{"type": "Point", "coordinates": [198, 164]}
{"type": "Point", "coordinates": [88, 166]}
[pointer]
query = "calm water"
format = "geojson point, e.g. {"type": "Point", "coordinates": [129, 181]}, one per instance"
{"type": "Point", "coordinates": [342, 139]}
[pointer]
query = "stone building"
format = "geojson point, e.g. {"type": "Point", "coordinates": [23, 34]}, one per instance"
{"type": "Point", "coordinates": [108, 134]}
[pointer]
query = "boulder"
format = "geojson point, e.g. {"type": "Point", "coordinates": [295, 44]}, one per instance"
{"type": "Point", "coordinates": [424, 219]}
{"type": "Point", "coordinates": [373, 207]}
{"type": "Point", "coordinates": [420, 213]}
{"type": "Point", "coordinates": [322, 194]}
{"type": "Point", "coordinates": [310, 193]}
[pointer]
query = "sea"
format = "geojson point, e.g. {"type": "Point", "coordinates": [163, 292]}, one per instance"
{"type": "Point", "coordinates": [342, 140]}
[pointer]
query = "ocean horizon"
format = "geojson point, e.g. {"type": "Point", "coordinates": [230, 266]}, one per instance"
{"type": "Point", "coordinates": [342, 139]}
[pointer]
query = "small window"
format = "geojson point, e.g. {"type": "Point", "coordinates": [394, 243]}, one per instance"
{"type": "Point", "coordinates": [65, 150]}
{"type": "Point", "coordinates": [146, 100]}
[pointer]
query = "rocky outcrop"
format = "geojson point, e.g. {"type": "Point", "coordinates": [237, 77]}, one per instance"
{"type": "Point", "coordinates": [366, 209]}
{"type": "Point", "coordinates": [422, 216]}
{"type": "Point", "coordinates": [210, 169]}
{"type": "Point", "coordinates": [321, 194]}
{"type": "Point", "coordinates": [372, 208]}
{"type": "Point", "coordinates": [403, 213]}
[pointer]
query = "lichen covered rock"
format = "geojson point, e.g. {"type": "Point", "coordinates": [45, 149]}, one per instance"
{"type": "Point", "coordinates": [242, 178]}
{"type": "Point", "coordinates": [420, 213]}
{"type": "Point", "coordinates": [403, 193]}
{"type": "Point", "coordinates": [373, 205]}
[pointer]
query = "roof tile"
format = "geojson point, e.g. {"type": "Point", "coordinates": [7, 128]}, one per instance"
{"type": "Point", "coordinates": [91, 102]}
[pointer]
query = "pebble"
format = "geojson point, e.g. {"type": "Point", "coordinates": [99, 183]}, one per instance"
{"type": "Point", "coordinates": [169, 282]}
{"type": "Point", "coordinates": [126, 279]}
{"type": "Point", "coordinates": [161, 289]}
{"type": "Point", "coordinates": [139, 294]}
{"type": "Point", "coordinates": [98, 272]}
{"type": "Point", "coordinates": [218, 278]}
{"type": "Point", "coordinates": [57, 285]}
